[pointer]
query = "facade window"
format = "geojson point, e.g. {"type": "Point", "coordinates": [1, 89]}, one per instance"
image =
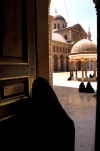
{"type": "Point", "coordinates": [65, 37]}
{"type": "Point", "coordinates": [54, 26]}
{"type": "Point", "coordinates": [63, 25]}
{"type": "Point", "coordinates": [66, 50]}
{"type": "Point", "coordinates": [79, 29]}
{"type": "Point", "coordinates": [63, 49]}
{"type": "Point", "coordinates": [58, 25]}
{"type": "Point", "coordinates": [53, 48]}
{"type": "Point", "coordinates": [57, 48]}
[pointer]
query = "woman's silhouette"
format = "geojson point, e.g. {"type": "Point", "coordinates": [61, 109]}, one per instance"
{"type": "Point", "coordinates": [53, 128]}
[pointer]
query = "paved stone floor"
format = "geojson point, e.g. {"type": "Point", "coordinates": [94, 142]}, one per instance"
{"type": "Point", "coordinates": [81, 107]}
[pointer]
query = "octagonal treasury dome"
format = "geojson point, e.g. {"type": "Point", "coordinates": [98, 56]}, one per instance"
{"type": "Point", "coordinates": [59, 17]}
{"type": "Point", "coordinates": [84, 45]}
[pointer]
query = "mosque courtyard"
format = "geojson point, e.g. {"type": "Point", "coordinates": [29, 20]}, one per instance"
{"type": "Point", "coordinates": [81, 107]}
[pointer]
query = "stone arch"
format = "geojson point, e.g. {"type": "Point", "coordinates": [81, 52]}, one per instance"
{"type": "Point", "coordinates": [67, 63]}
{"type": "Point", "coordinates": [79, 65]}
{"type": "Point", "coordinates": [61, 63]}
{"type": "Point", "coordinates": [55, 63]}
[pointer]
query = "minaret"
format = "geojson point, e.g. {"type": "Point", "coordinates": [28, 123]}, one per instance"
{"type": "Point", "coordinates": [89, 34]}
{"type": "Point", "coordinates": [55, 11]}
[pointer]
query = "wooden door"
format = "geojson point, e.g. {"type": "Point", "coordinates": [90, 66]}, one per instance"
{"type": "Point", "coordinates": [17, 55]}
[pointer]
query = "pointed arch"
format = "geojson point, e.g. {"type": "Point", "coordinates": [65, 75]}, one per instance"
{"type": "Point", "coordinates": [55, 63]}
{"type": "Point", "coordinates": [61, 62]}
{"type": "Point", "coordinates": [67, 63]}
{"type": "Point", "coordinates": [79, 65]}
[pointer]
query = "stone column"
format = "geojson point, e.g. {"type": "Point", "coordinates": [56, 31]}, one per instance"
{"type": "Point", "coordinates": [64, 64]}
{"type": "Point", "coordinates": [82, 67]}
{"type": "Point", "coordinates": [94, 60]}
{"type": "Point", "coordinates": [51, 61]}
{"type": "Point", "coordinates": [85, 73]}
{"type": "Point", "coordinates": [70, 64]}
{"type": "Point", "coordinates": [76, 70]}
{"type": "Point", "coordinates": [72, 70]}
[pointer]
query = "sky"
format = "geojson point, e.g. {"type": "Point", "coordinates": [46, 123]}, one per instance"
{"type": "Point", "coordinates": [77, 11]}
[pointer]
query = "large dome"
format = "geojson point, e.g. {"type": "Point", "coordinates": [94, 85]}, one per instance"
{"type": "Point", "coordinates": [59, 17]}
{"type": "Point", "coordinates": [84, 45]}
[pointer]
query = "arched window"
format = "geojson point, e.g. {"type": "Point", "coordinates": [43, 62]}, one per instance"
{"type": "Point", "coordinates": [58, 25]}
{"type": "Point", "coordinates": [55, 63]}
{"type": "Point", "coordinates": [60, 49]}
{"type": "Point", "coordinates": [66, 50]}
{"type": "Point", "coordinates": [61, 63]}
{"type": "Point", "coordinates": [65, 37]}
{"type": "Point", "coordinates": [54, 26]}
{"type": "Point", "coordinates": [53, 48]}
{"type": "Point", "coordinates": [63, 49]}
{"type": "Point", "coordinates": [57, 48]}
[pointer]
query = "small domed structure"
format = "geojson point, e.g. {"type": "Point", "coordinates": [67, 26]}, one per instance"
{"type": "Point", "coordinates": [84, 45]}
{"type": "Point", "coordinates": [83, 54]}
{"type": "Point", "coordinates": [59, 17]}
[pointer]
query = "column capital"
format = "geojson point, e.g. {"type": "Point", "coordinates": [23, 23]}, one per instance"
{"type": "Point", "coordinates": [94, 59]}
{"type": "Point", "coordinates": [76, 61]}
{"type": "Point", "coordinates": [72, 60]}
{"type": "Point", "coordinates": [83, 60]}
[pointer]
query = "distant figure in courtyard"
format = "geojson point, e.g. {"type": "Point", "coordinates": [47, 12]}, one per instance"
{"type": "Point", "coordinates": [89, 88]}
{"type": "Point", "coordinates": [90, 76]}
{"type": "Point", "coordinates": [69, 79]}
{"type": "Point", "coordinates": [53, 128]}
{"type": "Point", "coordinates": [82, 87]}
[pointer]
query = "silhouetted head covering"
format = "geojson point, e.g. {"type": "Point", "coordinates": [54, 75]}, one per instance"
{"type": "Point", "coordinates": [43, 94]}
{"type": "Point", "coordinates": [82, 87]}
{"type": "Point", "coordinates": [52, 126]}
{"type": "Point", "coordinates": [89, 88]}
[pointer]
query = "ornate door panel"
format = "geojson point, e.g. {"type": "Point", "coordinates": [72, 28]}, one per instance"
{"type": "Point", "coordinates": [17, 53]}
